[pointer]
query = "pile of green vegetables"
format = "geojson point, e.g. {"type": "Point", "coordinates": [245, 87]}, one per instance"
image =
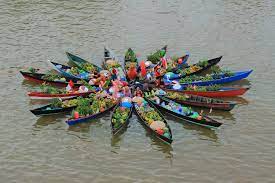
{"type": "Point", "coordinates": [130, 59]}
{"type": "Point", "coordinates": [120, 116]}
{"type": "Point", "coordinates": [204, 88]}
{"type": "Point", "coordinates": [130, 56]}
{"type": "Point", "coordinates": [207, 77]}
{"type": "Point", "coordinates": [149, 114]}
{"type": "Point", "coordinates": [32, 70]}
{"type": "Point", "coordinates": [88, 67]}
{"type": "Point", "coordinates": [175, 95]}
{"type": "Point", "coordinates": [74, 102]}
{"type": "Point", "coordinates": [155, 57]}
{"type": "Point", "coordinates": [216, 70]}
{"type": "Point", "coordinates": [76, 71]}
{"type": "Point", "coordinates": [84, 108]}
{"type": "Point", "coordinates": [51, 90]}
{"type": "Point", "coordinates": [56, 103]}
{"type": "Point", "coordinates": [52, 77]}
{"type": "Point", "coordinates": [203, 63]}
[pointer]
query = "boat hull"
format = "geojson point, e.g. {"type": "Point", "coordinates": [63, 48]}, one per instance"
{"type": "Point", "coordinates": [212, 62]}
{"type": "Point", "coordinates": [42, 111]}
{"type": "Point", "coordinates": [238, 76]}
{"type": "Point", "coordinates": [144, 123]}
{"type": "Point", "coordinates": [62, 71]}
{"type": "Point", "coordinates": [211, 123]}
{"type": "Point", "coordinates": [45, 96]}
{"type": "Point", "coordinates": [37, 78]}
{"type": "Point", "coordinates": [71, 122]}
{"type": "Point", "coordinates": [121, 128]}
{"type": "Point", "coordinates": [229, 92]}
{"type": "Point", "coordinates": [217, 106]}
{"type": "Point", "coordinates": [77, 61]}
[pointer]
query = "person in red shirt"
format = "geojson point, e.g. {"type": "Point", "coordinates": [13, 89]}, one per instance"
{"type": "Point", "coordinates": [132, 72]}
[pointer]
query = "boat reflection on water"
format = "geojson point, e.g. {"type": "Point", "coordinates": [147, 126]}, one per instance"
{"type": "Point", "coordinates": [39, 102]}
{"type": "Point", "coordinates": [242, 83]}
{"type": "Point", "coordinates": [49, 119]}
{"type": "Point", "coordinates": [210, 133]}
{"type": "Point", "coordinates": [82, 130]}
{"type": "Point", "coordinates": [165, 148]}
{"type": "Point", "coordinates": [27, 83]}
{"type": "Point", "coordinates": [239, 100]}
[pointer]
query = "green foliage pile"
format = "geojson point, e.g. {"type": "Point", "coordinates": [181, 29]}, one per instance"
{"type": "Point", "coordinates": [52, 77]}
{"type": "Point", "coordinates": [130, 56]}
{"type": "Point", "coordinates": [51, 90]}
{"type": "Point", "coordinates": [155, 57]}
{"type": "Point", "coordinates": [120, 116]}
{"type": "Point", "coordinates": [204, 88]}
{"type": "Point", "coordinates": [56, 103]}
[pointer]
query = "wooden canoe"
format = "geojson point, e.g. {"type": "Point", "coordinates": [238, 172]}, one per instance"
{"type": "Point", "coordinates": [62, 70]}
{"type": "Point", "coordinates": [205, 121]}
{"type": "Point", "coordinates": [206, 102]}
{"type": "Point", "coordinates": [38, 78]}
{"type": "Point", "coordinates": [122, 126]}
{"type": "Point", "coordinates": [48, 110]}
{"type": "Point", "coordinates": [149, 129]}
{"type": "Point", "coordinates": [210, 63]}
{"type": "Point", "coordinates": [222, 79]}
{"type": "Point", "coordinates": [223, 92]}
{"type": "Point", "coordinates": [47, 96]}
{"type": "Point", "coordinates": [72, 121]}
{"type": "Point", "coordinates": [79, 62]}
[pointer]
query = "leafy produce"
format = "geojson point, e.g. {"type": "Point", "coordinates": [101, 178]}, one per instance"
{"type": "Point", "coordinates": [32, 70]}
{"type": "Point", "coordinates": [155, 57]}
{"type": "Point", "coordinates": [216, 70]}
{"type": "Point", "coordinates": [207, 77]}
{"type": "Point", "coordinates": [175, 95]}
{"type": "Point", "coordinates": [75, 71]}
{"type": "Point", "coordinates": [202, 63]}
{"type": "Point", "coordinates": [75, 102]}
{"type": "Point", "coordinates": [56, 103]}
{"type": "Point", "coordinates": [153, 119]}
{"type": "Point", "coordinates": [53, 77]}
{"type": "Point", "coordinates": [84, 108]}
{"type": "Point", "coordinates": [89, 67]}
{"type": "Point", "coordinates": [130, 56]}
{"type": "Point", "coordinates": [51, 90]}
{"type": "Point", "coordinates": [203, 88]}
{"type": "Point", "coordinates": [120, 116]}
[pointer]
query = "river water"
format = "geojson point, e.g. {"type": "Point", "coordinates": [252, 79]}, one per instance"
{"type": "Point", "coordinates": [46, 150]}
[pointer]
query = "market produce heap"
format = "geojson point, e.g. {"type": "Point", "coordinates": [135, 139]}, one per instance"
{"type": "Point", "coordinates": [146, 86]}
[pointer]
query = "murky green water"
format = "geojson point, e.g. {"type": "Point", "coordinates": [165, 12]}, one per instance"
{"type": "Point", "coordinates": [45, 150]}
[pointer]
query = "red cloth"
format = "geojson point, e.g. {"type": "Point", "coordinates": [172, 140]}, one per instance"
{"type": "Point", "coordinates": [132, 73]}
{"type": "Point", "coordinates": [71, 83]}
{"type": "Point", "coordinates": [157, 72]}
{"type": "Point", "coordinates": [164, 63]}
{"type": "Point", "coordinates": [143, 68]}
{"type": "Point", "coordinates": [114, 71]}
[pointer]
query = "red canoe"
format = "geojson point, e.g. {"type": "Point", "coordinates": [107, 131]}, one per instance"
{"type": "Point", "coordinates": [223, 92]}
{"type": "Point", "coordinates": [46, 96]}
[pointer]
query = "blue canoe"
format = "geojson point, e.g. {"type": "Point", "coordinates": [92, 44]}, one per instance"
{"type": "Point", "coordinates": [62, 70]}
{"type": "Point", "coordinates": [71, 122]}
{"type": "Point", "coordinates": [237, 76]}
